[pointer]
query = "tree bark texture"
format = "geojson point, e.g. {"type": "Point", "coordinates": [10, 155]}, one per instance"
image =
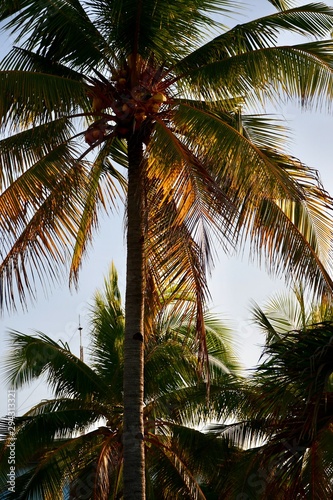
{"type": "Point", "coordinates": [133, 434]}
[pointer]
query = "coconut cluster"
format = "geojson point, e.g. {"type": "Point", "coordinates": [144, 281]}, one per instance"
{"type": "Point", "coordinates": [122, 107]}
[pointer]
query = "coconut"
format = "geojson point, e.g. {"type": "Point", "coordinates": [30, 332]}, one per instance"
{"type": "Point", "coordinates": [97, 104]}
{"type": "Point", "coordinates": [125, 108]}
{"type": "Point", "coordinates": [159, 97]}
{"type": "Point", "coordinates": [92, 135]}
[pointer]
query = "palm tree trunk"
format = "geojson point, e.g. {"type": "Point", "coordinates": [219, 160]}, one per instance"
{"type": "Point", "coordinates": [134, 460]}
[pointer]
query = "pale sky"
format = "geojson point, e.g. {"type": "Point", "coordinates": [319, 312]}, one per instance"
{"type": "Point", "coordinates": [234, 283]}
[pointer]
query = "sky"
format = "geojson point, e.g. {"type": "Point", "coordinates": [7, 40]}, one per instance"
{"type": "Point", "coordinates": [234, 283]}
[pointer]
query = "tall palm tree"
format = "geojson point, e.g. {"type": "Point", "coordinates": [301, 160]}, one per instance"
{"type": "Point", "coordinates": [90, 85]}
{"type": "Point", "coordinates": [72, 444]}
{"type": "Point", "coordinates": [292, 407]}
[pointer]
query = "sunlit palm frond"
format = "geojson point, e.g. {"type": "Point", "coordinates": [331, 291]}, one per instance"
{"type": "Point", "coordinates": [102, 192]}
{"type": "Point", "coordinates": [299, 230]}
{"type": "Point", "coordinates": [220, 145]}
{"type": "Point", "coordinates": [41, 239]}
{"type": "Point", "coordinates": [282, 4]}
{"type": "Point", "coordinates": [179, 262]}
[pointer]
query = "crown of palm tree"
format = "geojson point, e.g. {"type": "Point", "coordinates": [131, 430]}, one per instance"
{"type": "Point", "coordinates": [85, 76]}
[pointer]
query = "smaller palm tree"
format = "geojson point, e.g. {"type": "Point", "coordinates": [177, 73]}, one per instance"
{"type": "Point", "coordinates": [292, 410]}
{"type": "Point", "coordinates": [72, 445]}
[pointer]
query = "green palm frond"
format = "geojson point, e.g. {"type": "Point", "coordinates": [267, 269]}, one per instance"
{"type": "Point", "coordinates": [174, 476]}
{"type": "Point", "coordinates": [312, 19]}
{"type": "Point", "coordinates": [63, 418]}
{"type": "Point", "coordinates": [317, 466]}
{"type": "Point", "coordinates": [220, 346]}
{"type": "Point", "coordinates": [107, 320]}
{"type": "Point", "coordinates": [51, 472]}
{"type": "Point", "coordinates": [300, 71]}
{"type": "Point", "coordinates": [273, 325]}
{"type": "Point", "coordinates": [294, 406]}
{"type": "Point", "coordinates": [173, 31]}
{"type": "Point", "coordinates": [26, 60]}
{"type": "Point", "coordinates": [35, 98]}
{"type": "Point", "coordinates": [248, 58]}
{"type": "Point", "coordinates": [269, 133]}
{"type": "Point", "coordinates": [33, 356]}
{"type": "Point", "coordinates": [315, 366]}
{"type": "Point", "coordinates": [283, 313]}
{"type": "Point", "coordinates": [63, 32]}
{"type": "Point", "coordinates": [286, 423]}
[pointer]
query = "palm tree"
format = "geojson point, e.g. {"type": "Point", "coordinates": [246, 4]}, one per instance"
{"type": "Point", "coordinates": [90, 85]}
{"type": "Point", "coordinates": [292, 408]}
{"type": "Point", "coordinates": [72, 444]}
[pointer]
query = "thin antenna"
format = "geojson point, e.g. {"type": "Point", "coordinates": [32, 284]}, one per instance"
{"type": "Point", "coordinates": [81, 346]}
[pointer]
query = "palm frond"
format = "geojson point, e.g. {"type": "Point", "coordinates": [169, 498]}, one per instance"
{"type": "Point", "coordinates": [38, 244]}
{"type": "Point", "coordinates": [300, 72]}
{"type": "Point", "coordinates": [297, 229]}
{"type": "Point", "coordinates": [22, 150]}
{"type": "Point", "coordinates": [32, 97]}
{"type": "Point", "coordinates": [221, 143]}
{"type": "Point", "coordinates": [312, 19]}
{"type": "Point", "coordinates": [62, 32]}
{"type": "Point", "coordinates": [98, 195]}
{"type": "Point", "coordinates": [33, 356]}
{"type": "Point", "coordinates": [21, 59]}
